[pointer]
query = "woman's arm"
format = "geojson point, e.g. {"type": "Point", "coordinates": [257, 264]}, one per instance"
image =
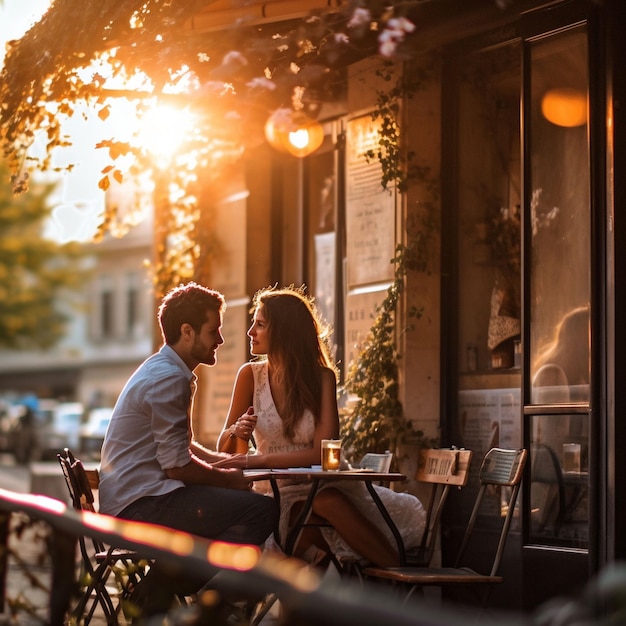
{"type": "Point", "coordinates": [241, 400]}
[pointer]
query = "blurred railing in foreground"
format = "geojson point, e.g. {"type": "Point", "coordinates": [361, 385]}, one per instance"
{"type": "Point", "coordinates": [306, 599]}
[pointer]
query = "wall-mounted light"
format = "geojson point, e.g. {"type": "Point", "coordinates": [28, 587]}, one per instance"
{"type": "Point", "coordinates": [565, 107]}
{"type": "Point", "coordinates": [293, 132]}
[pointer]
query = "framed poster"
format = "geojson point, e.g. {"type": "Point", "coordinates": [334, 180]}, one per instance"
{"type": "Point", "coordinates": [360, 314]}
{"type": "Point", "coordinates": [229, 222]}
{"type": "Point", "coordinates": [325, 275]}
{"type": "Point", "coordinates": [370, 209]}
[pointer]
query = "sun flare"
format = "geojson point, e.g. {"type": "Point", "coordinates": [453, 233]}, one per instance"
{"type": "Point", "coordinates": [163, 129]}
{"type": "Point", "coordinates": [158, 129]}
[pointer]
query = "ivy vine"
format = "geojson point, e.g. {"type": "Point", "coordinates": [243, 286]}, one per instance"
{"type": "Point", "coordinates": [397, 163]}
{"type": "Point", "coordinates": [376, 421]}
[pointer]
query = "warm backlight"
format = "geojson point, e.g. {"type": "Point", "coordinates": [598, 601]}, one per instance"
{"type": "Point", "coordinates": [565, 107]}
{"type": "Point", "coordinates": [162, 129]}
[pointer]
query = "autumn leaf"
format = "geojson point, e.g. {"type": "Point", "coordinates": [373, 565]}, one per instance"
{"type": "Point", "coordinates": [104, 183]}
{"type": "Point", "coordinates": [104, 112]}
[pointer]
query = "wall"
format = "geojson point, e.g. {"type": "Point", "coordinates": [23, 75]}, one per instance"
{"type": "Point", "coordinates": [420, 347]}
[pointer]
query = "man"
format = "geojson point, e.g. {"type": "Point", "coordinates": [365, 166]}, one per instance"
{"type": "Point", "coordinates": [148, 469]}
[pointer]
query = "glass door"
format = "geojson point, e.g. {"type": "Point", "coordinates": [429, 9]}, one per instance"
{"type": "Point", "coordinates": [559, 290]}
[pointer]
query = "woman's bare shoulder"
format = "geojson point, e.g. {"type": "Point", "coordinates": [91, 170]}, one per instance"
{"type": "Point", "coordinates": [248, 366]}
{"type": "Point", "coordinates": [248, 369]}
{"type": "Point", "coordinates": [329, 375]}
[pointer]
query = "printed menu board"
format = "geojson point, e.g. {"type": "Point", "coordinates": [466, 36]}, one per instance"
{"type": "Point", "coordinates": [360, 314]}
{"type": "Point", "coordinates": [370, 209]}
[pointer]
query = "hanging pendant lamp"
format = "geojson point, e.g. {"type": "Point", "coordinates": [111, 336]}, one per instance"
{"type": "Point", "coordinates": [293, 132]}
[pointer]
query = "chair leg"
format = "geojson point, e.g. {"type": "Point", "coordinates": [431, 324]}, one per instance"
{"type": "Point", "coordinates": [262, 608]}
{"type": "Point", "coordinates": [414, 590]}
{"type": "Point", "coordinates": [97, 592]}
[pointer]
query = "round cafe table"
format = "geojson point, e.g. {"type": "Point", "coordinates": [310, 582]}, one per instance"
{"type": "Point", "coordinates": [316, 478]}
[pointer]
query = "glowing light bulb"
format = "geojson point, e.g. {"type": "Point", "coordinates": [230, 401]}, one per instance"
{"type": "Point", "coordinates": [293, 132]}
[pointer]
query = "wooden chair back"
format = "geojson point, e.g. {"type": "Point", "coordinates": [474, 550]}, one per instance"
{"type": "Point", "coordinates": [446, 466]}
{"type": "Point", "coordinates": [79, 481]}
{"type": "Point", "coordinates": [442, 469]}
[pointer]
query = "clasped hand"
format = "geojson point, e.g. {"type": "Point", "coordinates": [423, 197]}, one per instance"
{"type": "Point", "coordinates": [244, 425]}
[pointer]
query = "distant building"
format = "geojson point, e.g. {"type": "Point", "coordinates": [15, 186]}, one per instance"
{"type": "Point", "coordinates": [109, 333]}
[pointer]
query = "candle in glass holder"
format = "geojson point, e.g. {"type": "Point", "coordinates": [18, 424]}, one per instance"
{"type": "Point", "coordinates": [331, 454]}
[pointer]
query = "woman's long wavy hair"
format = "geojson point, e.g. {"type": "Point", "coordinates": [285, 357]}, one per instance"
{"type": "Point", "coordinates": [298, 350]}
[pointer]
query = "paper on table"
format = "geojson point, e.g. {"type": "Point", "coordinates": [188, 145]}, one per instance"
{"type": "Point", "coordinates": [376, 462]}
{"type": "Point", "coordinates": [297, 469]}
{"type": "Point", "coordinates": [314, 469]}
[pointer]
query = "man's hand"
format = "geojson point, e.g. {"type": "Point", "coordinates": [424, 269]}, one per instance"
{"type": "Point", "coordinates": [198, 472]}
{"type": "Point", "coordinates": [232, 461]}
{"type": "Point", "coordinates": [198, 451]}
{"type": "Point", "coordinates": [233, 478]}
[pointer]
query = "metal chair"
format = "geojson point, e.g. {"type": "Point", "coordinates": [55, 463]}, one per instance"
{"type": "Point", "coordinates": [500, 468]}
{"type": "Point", "coordinates": [99, 564]}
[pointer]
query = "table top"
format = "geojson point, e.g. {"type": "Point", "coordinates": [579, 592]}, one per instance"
{"type": "Point", "coordinates": [311, 473]}
{"type": "Point", "coordinates": [576, 478]}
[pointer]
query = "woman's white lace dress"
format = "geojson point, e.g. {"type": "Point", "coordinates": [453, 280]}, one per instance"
{"type": "Point", "coordinates": [405, 509]}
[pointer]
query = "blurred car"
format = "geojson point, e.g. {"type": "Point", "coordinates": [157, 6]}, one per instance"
{"type": "Point", "coordinates": [12, 424]}
{"type": "Point", "coordinates": [93, 430]}
{"type": "Point", "coordinates": [61, 429]}
{"type": "Point", "coordinates": [22, 422]}
{"type": "Point", "coordinates": [24, 434]}
{"type": "Point", "coordinates": [5, 426]}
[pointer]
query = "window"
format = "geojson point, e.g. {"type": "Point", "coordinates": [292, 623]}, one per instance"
{"type": "Point", "coordinates": [106, 308]}
{"type": "Point", "coordinates": [132, 303]}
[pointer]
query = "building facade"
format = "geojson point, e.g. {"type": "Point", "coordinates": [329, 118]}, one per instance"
{"type": "Point", "coordinates": [513, 126]}
{"type": "Point", "coordinates": [514, 123]}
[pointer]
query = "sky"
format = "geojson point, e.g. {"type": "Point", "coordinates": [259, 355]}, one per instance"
{"type": "Point", "coordinates": [17, 16]}
{"type": "Point", "coordinates": [78, 202]}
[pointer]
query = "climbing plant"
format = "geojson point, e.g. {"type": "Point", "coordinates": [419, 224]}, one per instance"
{"type": "Point", "coordinates": [375, 421]}
{"type": "Point", "coordinates": [401, 82]}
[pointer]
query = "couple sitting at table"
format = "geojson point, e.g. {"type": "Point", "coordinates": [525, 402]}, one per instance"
{"type": "Point", "coordinates": [287, 398]}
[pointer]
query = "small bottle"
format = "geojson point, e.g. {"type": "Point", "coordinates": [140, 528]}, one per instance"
{"type": "Point", "coordinates": [472, 357]}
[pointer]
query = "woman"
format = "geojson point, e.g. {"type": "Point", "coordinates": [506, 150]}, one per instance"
{"type": "Point", "coordinates": [292, 389]}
